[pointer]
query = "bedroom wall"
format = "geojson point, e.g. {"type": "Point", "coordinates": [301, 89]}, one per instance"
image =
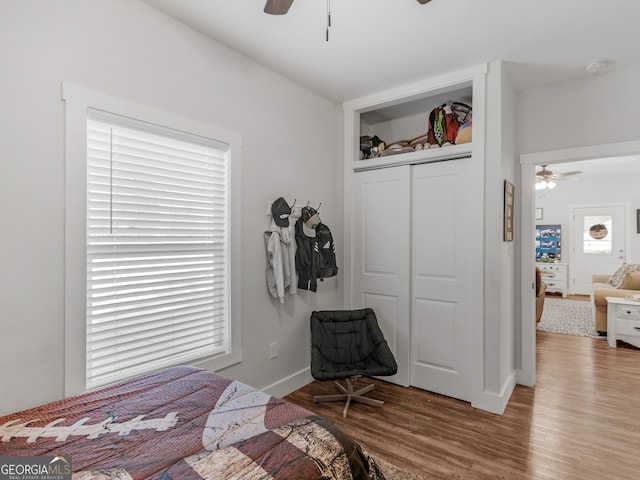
{"type": "Point", "coordinates": [126, 48]}
{"type": "Point", "coordinates": [509, 281]}
{"type": "Point", "coordinates": [500, 256]}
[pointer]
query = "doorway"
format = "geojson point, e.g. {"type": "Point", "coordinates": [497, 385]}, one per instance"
{"type": "Point", "coordinates": [526, 353]}
{"type": "Point", "coordinates": [598, 243]}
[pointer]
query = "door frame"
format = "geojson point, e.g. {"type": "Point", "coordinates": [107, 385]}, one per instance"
{"type": "Point", "coordinates": [526, 374]}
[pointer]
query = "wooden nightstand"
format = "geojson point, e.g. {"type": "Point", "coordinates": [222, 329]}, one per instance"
{"type": "Point", "coordinates": [623, 321]}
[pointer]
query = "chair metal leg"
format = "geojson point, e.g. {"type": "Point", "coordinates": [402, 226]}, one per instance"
{"type": "Point", "coordinates": [350, 395]}
{"type": "Point", "coordinates": [341, 388]}
{"type": "Point", "coordinates": [346, 407]}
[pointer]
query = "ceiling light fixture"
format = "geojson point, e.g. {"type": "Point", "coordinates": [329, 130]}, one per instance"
{"type": "Point", "coordinates": [596, 66]}
{"type": "Point", "coordinates": [544, 184]}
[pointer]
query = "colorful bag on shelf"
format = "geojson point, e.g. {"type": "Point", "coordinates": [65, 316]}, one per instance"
{"type": "Point", "coordinates": [443, 126]}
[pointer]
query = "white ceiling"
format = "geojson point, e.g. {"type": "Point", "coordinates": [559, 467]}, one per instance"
{"type": "Point", "coordinates": [378, 44]}
{"type": "Point", "coordinates": [599, 167]}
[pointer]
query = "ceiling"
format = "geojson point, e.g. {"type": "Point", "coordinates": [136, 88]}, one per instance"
{"type": "Point", "coordinates": [378, 44]}
{"type": "Point", "coordinates": [599, 167]}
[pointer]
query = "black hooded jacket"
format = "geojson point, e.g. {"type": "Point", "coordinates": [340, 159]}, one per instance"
{"type": "Point", "coordinates": [306, 259]}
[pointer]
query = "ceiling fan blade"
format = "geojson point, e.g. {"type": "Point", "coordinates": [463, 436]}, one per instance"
{"type": "Point", "coordinates": [422, 2]}
{"type": "Point", "coordinates": [277, 7]}
{"type": "Point", "coordinates": [567, 179]}
{"type": "Point", "coordinates": [568, 174]}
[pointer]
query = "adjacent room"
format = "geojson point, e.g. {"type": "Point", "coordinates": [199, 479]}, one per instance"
{"type": "Point", "coordinates": [583, 212]}
{"type": "Point", "coordinates": [348, 239]}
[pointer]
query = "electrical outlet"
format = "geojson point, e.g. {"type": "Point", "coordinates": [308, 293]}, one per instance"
{"type": "Point", "coordinates": [273, 350]}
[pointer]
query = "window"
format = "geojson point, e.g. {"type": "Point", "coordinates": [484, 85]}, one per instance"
{"type": "Point", "coordinates": [153, 234]}
{"type": "Point", "coordinates": [157, 249]}
{"type": "Point", "coordinates": [597, 235]}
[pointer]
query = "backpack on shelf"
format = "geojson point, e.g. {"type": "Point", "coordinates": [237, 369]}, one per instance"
{"type": "Point", "coordinates": [443, 126]}
{"type": "Point", "coordinates": [445, 120]}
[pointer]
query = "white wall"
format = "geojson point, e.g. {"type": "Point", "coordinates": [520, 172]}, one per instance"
{"type": "Point", "coordinates": [593, 111]}
{"type": "Point", "coordinates": [500, 256]}
{"type": "Point", "coordinates": [509, 280]}
{"type": "Point", "coordinates": [127, 49]}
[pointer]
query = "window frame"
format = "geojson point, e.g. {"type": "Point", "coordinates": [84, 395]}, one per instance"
{"type": "Point", "coordinates": [78, 101]}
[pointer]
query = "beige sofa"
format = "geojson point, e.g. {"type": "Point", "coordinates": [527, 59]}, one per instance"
{"type": "Point", "coordinates": [601, 289]}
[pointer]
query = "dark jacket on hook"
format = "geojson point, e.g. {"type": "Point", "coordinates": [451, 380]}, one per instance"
{"type": "Point", "coordinates": [327, 266]}
{"type": "Point", "coordinates": [315, 256]}
{"type": "Point", "coordinates": [306, 259]}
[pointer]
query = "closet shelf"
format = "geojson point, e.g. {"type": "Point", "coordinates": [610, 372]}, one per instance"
{"type": "Point", "coordinates": [449, 152]}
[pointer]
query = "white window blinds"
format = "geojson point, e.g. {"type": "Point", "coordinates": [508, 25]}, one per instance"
{"type": "Point", "coordinates": [157, 248]}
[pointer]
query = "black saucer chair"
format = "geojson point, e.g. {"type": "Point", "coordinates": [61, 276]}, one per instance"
{"type": "Point", "coordinates": [348, 344]}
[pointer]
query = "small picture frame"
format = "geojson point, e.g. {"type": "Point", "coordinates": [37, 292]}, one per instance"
{"type": "Point", "coordinates": [509, 191]}
{"type": "Point", "coordinates": [638, 220]}
{"type": "Point", "coordinates": [538, 214]}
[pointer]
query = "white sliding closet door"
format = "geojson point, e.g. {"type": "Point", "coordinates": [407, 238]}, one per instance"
{"type": "Point", "coordinates": [381, 255]}
{"type": "Point", "coordinates": [441, 272]}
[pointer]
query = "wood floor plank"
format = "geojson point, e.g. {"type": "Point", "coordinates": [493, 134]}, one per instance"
{"type": "Point", "coordinates": [580, 421]}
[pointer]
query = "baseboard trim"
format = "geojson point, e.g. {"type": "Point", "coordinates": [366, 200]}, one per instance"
{"type": "Point", "coordinates": [289, 384]}
{"type": "Point", "coordinates": [496, 402]}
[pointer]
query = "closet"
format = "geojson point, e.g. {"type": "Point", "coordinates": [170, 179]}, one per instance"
{"type": "Point", "coordinates": [414, 224]}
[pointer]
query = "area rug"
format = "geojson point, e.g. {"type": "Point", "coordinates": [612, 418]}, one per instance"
{"type": "Point", "coordinates": [572, 317]}
{"type": "Point", "coordinates": [393, 472]}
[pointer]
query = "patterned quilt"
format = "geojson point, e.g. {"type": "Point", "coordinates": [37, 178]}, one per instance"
{"type": "Point", "coordinates": [186, 423]}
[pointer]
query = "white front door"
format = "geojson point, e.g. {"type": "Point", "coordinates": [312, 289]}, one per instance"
{"type": "Point", "coordinates": [381, 255]}
{"type": "Point", "coordinates": [598, 244]}
{"type": "Point", "coordinates": [441, 262]}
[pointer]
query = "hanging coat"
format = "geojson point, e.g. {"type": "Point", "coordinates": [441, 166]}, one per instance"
{"type": "Point", "coordinates": [327, 266]}
{"type": "Point", "coordinates": [306, 259]}
{"type": "Point", "coordinates": [281, 273]}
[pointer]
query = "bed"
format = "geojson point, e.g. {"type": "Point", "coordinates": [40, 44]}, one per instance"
{"type": "Point", "coordinates": [185, 423]}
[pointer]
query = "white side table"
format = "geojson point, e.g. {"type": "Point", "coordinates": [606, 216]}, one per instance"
{"type": "Point", "coordinates": [555, 276]}
{"type": "Point", "coordinates": [623, 321]}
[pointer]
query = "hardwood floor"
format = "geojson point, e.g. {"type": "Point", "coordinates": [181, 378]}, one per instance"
{"type": "Point", "coordinates": [581, 421]}
{"type": "Point", "coordinates": [583, 298]}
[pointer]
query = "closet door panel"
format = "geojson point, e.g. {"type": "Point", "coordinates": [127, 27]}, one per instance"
{"type": "Point", "coordinates": [381, 273]}
{"type": "Point", "coordinates": [435, 227]}
{"type": "Point", "coordinates": [387, 310]}
{"type": "Point", "coordinates": [381, 199]}
{"type": "Point", "coordinates": [440, 342]}
{"type": "Point", "coordinates": [434, 326]}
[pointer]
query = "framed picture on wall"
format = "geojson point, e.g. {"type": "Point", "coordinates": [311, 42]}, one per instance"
{"type": "Point", "coordinates": [538, 214]}
{"type": "Point", "coordinates": [548, 243]}
{"type": "Point", "coordinates": [509, 189]}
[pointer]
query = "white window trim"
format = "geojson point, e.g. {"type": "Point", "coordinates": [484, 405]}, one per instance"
{"type": "Point", "coordinates": [78, 100]}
